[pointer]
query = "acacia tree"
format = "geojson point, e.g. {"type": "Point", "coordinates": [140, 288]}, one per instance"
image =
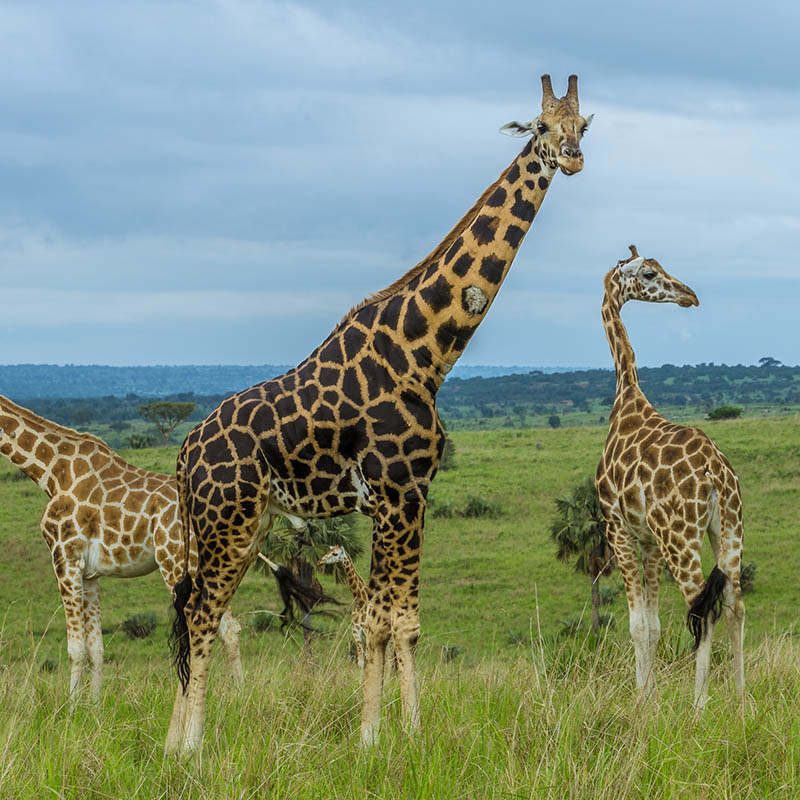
{"type": "Point", "coordinates": [579, 531]}
{"type": "Point", "coordinates": [300, 551]}
{"type": "Point", "coordinates": [166, 415]}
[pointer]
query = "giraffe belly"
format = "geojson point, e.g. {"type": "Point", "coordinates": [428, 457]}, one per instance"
{"type": "Point", "coordinates": [346, 493]}
{"type": "Point", "coordinates": [117, 562]}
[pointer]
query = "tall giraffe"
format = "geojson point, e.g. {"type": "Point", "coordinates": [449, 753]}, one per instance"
{"type": "Point", "coordinates": [360, 591]}
{"type": "Point", "coordinates": [105, 518]}
{"type": "Point", "coordinates": [354, 427]}
{"type": "Point", "coordinates": [662, 488]}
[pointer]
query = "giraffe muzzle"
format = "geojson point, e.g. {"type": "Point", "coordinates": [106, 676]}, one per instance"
{"type": "Point", "coordinates": [570, 159]}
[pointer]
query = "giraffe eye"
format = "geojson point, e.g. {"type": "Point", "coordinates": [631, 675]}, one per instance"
{"type": "Point", "coordinates": [541, 127]}
{"type": "Point", "coordinates": [649, 275]}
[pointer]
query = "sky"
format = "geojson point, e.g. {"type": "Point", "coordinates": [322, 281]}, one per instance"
{"type": "Point", "coordinates": [217, 182]}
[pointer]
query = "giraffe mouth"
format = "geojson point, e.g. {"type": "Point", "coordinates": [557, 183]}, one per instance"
{"type": "Point", "coordinates": [570, 166]}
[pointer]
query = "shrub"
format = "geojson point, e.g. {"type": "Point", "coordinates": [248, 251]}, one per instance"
{"type": "Point", "coordinates": [263, 621]}
{"type": "Point", "coordinates": [554, 421]}
{"type": "Point", "coordinates": [748, 577]}
{"type": "Point", "coordinates": [444, 509]}
{"type": "Point", "coordinates": [139, 626]}
{"type": "Point", "coordinates": [140, 441]}
{"type": "Point", "coordinates": [608, 594]}
{"type": "Point", "coordinates": [448, 454]}
{"type": "Point", "coordinates": [724, 412]}
{"type": "Point", "coordinates": [478, 507]}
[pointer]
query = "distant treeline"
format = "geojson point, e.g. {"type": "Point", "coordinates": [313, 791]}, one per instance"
{"type": "Point", "coordinates": [82, 381]}
{"type": "Point", "coordinates": [704, 386]}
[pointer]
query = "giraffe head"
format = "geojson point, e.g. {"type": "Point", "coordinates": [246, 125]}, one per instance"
{"type": "Point", "coordinates": [336, 555]}
{"type": "Point", "coordinates": [640, 278]}
{"type": "Point", "coordinates": [558, 130]}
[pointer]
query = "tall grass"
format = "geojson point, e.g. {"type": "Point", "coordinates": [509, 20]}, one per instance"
{"type": "Point", "coordinates": [558, 720]}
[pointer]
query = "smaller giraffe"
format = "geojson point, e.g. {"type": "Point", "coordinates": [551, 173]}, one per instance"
{"type": "Point", "coordinates": [105, 518]}
{"type": "Point", "coordinates": [338, 555]}
{"type": "Point", "coordinates": [360, 591]}
{"type": "Point", "coordinates": [662, 488]}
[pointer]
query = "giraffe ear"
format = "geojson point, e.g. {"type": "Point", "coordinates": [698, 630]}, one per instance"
{"type": "Point", "coordinates": [589, 121]}
{"type": "Point", "coordinates": [517, 128]}
{"type": "Point", "coordinates": [631, 266]}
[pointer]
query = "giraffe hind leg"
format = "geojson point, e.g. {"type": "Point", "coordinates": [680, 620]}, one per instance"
{"type": "Point", "coordinates": [229, 631]}
{"type": "Point", "coordinates": [704, 611]}
{"type": "Point", "coordinates": [93, 634]}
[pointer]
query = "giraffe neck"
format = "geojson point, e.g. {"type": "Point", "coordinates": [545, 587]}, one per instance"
{"type": "Point", "coordinates": [627, 389]}
{"type": "Point", "coordinates": [434, 309]}
{"type": "Point", "coordinates": [356, 583]}
{"type": "Point", "coordinates": [35, 445]}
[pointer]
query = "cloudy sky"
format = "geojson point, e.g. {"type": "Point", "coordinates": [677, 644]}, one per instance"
{"type": "Point", "coordinates": [218, 182]}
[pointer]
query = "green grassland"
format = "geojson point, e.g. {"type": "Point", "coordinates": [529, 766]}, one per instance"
{"type": "Point", "coordinates": [519, 712]}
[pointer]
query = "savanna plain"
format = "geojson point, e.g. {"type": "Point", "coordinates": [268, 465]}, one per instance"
{"type": "Point", "coordinates": [519, 699]}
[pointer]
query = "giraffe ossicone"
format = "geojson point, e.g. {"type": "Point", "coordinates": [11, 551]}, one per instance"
{"type": "Point", "coordinates": [354, 426]}
{"type": "Point", "coordinates": [663, 488]}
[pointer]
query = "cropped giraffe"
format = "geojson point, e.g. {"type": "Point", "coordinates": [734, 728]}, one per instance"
{"type": "Point", "coordinates": [354, 426]}
{"type": "Point", "coordinates": [360, 591]}
{"type": "Point", "coordinates": [662, 488]}
{"type": "Point", "coordinates": [105, 518]}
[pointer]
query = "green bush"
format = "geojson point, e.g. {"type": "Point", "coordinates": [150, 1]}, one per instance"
{"type": "Point", "coordinates": [724, 412]}
{"type": "Point", "coordinates": [139, 626]}
{"type": "Point", "coordinates": [444, 509]}
{"type": "Point", "coordinates": [140, 441]}
{"type": "Point", "coordinates": [748, 577]}
{"type": "Point", "coordinates": [478, 507]}
{"type": "Point", "coordinates": [608, 594]}
{"type": "Point", "coordinates": [262, 621]}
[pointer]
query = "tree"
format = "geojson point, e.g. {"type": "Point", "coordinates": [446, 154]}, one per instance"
{"type": "Point", "coordinates": [554, 421]}
{"type": "Point", "coordinates": [300, 551]}
{"type": "Point", "coordinates": [768, 361]}
{"type": "Point", "coordinates": [579, 531]}
{"type": "Point", "coordinates": [166, 416]}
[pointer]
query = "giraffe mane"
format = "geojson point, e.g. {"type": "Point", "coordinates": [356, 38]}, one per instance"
{"type": "Point", "coordinates": [433, 256]}
{"type": "Point", "coordinates": [26, 415]}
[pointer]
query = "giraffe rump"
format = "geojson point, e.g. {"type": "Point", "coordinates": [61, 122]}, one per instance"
{"type": "Point", "coordinates": [179, 638]}
{"type": "Point", "coordinates": [708, 604]}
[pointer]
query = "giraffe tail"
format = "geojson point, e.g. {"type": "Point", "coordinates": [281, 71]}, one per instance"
{"type": "Point", "coordinates": [707, 605]}
{"type": "Point", "coordinates": [182, 591]}
{"type": "Point", "coordinates": [293, 590]}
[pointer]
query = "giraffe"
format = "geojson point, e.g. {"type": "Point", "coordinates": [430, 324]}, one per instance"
{"type": "Point", "coordinates": [360, 591]}
{"type": "Point", "coordinates": [105, 518]}
{"type": "Point", "coordinates": [354, 428]}
{"type": "Point", "coordinates": [662, 487]}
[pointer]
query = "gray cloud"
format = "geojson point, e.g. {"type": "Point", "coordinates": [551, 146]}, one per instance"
{"type": "Point", "coordinates": [156, 155]}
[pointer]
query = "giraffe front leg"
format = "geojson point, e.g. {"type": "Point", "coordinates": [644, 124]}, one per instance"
{"type": "Point", "coordinates": [652, 562]}
{"type": "Point", "coordinates": [93, 634]}
{"type": "Point", "coordinates": [394, 610]}
{"type": "Point", "coordinates": [624, 547]}
{"type": "Point", "coordinates": [377, 629]}
{"type": "Point", "coordinates": [70, 585]}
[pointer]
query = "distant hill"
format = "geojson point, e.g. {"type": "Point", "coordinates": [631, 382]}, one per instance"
{"type": "Point", "coordinates": [42, 381]}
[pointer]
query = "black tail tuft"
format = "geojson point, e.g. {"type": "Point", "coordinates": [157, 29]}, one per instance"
{"type": "Point", "coordinates": [179, 639]}
{"type": "Point", "coordinates": [707, 604]}
{"type": "Point", "coordinates": [293, 589]}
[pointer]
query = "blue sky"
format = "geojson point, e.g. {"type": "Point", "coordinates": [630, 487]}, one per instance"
{"type": "Point", "coordinates": [218, 182]}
